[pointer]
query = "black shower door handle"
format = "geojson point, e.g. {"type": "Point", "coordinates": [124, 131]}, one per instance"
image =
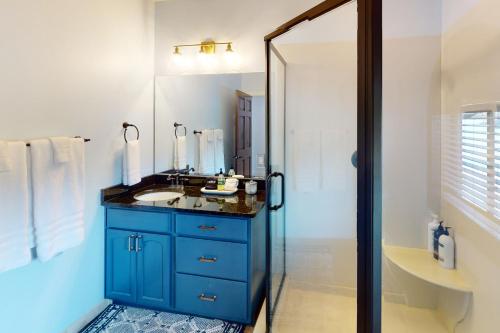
{"type": "Point", "coordinates": [268, 185]}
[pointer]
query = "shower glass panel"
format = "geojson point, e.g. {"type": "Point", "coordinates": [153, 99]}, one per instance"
{"type": "Point", "coordinates": [313, 131]}
{"type": "Point", "coordinates": [276, 179]}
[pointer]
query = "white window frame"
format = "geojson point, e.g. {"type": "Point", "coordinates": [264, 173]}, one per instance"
{"type": "Point", "coordinates": [488, 217]}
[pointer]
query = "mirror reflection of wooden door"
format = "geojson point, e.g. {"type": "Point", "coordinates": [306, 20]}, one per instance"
{"type": "Point", "coordinates": [243, 156]}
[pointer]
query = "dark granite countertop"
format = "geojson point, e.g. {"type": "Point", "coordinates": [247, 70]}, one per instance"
{"type": "Point", "coordinates": [239, 205]}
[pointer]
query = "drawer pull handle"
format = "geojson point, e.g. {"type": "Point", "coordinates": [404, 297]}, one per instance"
{"type": "Point", "coordinates": [206, 298]}
{"type": "Point", "coordinates": [130, 245]}
{"type": "Point", "coordinates": [138, 243]}
{"type": "Point", "coordinates": [207, 227]}
{"type": "Point", "coordinates": [206, 259]}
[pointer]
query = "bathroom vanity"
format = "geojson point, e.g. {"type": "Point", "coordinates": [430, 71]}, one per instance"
{"type": "Point", "coordinates": [195, 255]}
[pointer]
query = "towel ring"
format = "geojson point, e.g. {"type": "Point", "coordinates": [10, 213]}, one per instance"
{"type": "Point", "coordinates": [126, 126]}
{"type": "Point", "coordinates": [177, 125]}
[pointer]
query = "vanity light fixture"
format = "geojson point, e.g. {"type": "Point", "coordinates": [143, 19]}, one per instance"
{"type": "Point", "coordinates": [206, 47]}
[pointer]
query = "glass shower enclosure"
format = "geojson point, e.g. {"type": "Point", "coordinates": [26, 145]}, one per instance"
{"type": "Point", "coordinates": [323, 128]}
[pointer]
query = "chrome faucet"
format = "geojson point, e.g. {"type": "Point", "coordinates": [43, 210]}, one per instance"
{"type": "Point", "coordinates": [172, 178]}
{"type": "Point", "coordinates": [185, 171]}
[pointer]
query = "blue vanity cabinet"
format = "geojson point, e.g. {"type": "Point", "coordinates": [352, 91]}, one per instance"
{"type": "Point", "coordinates": [120, 266]}
{"type": "Point", "coordinates": [153, 270]}
{"type": "Point", "coordinates": [138, 263]}
{"type": "Point", "coordinates": [219, 266]}
{"type": "Point", "coordinates": [204, 265]}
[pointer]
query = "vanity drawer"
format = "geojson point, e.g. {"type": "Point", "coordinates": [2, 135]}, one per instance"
{"type": "Point", "coordinates": [211, 258]}
{"type": "Point", "coordinates": [210, 297]}
{"type": "Point", "coordinates": [139, 220]}
{"type": "Point", "coordinates": [212, 227]}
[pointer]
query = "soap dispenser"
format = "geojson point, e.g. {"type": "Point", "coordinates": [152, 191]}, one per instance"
{"type": "Point", "coordinates": [447, 251]}
{"type": "Point", "coordinates": [431, 228]}
{"type": "Point", "coordinates": [221, 181]}
{"type": "Point", "coordinates": [441, 230]}
{"type": "Point", "coordinates": [231, 172]}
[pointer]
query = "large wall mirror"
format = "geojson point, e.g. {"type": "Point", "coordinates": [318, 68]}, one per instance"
{"type": "Point", "coordinates": [223, 123]}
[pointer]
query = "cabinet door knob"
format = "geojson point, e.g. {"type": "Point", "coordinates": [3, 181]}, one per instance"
{"type": "Point", "coordinates": [130, 244]}
{"type": "Point", "coordinates": [207, 227]}
{"type": "Point", "coordinates": [206, 298]}
{"type": "Point", "coordinates": [137, 243]}
{"type": "Point", "coordinates": [207, 259]}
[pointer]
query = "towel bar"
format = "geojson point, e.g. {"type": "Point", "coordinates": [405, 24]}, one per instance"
{"type": "Point", "coordinates": [84, 140]}
{"type": "Point", "coordinates": [126, 126]}
{"type": "Point", "coordinates": [177, 125]}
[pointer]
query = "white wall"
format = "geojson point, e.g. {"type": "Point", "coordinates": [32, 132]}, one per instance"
{"type": "Point", "coordinates": [411, 102]}
{"type": "Point", "coordinates": [471, 74]}
{"type": "Point", "coordinates": [243, 22]}
{"type": "Point", "coordinates": [73, 68]}
{"type": "Point", "coordinates": [199, 102]}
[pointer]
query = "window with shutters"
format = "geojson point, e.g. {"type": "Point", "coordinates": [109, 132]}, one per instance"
{"type": "Point", "coordinates": [478, 180]}
{"type": "Point", "coordinates": [477, 158]}
{"type": "Point", "coordinates": [470, 163]}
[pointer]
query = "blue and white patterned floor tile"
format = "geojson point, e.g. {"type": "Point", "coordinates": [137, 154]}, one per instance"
{"type": "Point", "coordinates": [124, 319]}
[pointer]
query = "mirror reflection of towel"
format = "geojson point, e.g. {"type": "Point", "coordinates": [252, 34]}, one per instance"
{"type": "Point", "coordinates": [211, 151]}
{"type": "Point", "coordinates": [180, 154]}
{"type": "Point", "coordinates": [219, 150]}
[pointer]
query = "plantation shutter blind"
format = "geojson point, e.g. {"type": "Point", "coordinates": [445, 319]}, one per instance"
{"type": "Point", "coordinates": [478, 159]}
{"type": "Point", "coordinates": [470, 163]}
{"type": "Point", "coordinates": [496, 148]}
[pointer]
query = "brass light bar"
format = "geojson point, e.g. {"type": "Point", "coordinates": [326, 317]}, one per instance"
{"type": "Point", "coordinates": [206, 47]}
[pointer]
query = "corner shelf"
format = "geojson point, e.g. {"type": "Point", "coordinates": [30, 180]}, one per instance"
{"type": "Point", "coordinates": [420, 263]}
{"type": "Point", "coordinates": [455, 293]}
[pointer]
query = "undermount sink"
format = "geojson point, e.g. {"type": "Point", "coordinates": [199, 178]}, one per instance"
{"type": "Point", "coordinates": [158, 195]}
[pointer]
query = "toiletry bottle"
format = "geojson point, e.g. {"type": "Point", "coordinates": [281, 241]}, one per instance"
{"type": "Point", "coordinates": [438, 233]}
{"type": "Point", "coordinates": [231, 172]}
{"type": "Point", "coordinates": [447, 251]}
{"type": "Point", "coordinates": [221, 181]}
{"type": "Point", "coordinates": [431, 228]}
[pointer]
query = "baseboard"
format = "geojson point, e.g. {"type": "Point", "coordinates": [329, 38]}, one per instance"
{"type": "Point", "coordinates": [330, 289]}
{"type": "Point", "coordinates": [85, 320]}
{"type": "Point", "coordinates": [397, 298]}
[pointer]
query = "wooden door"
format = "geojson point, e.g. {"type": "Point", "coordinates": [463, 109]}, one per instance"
{"type": "Point", "coordinates": [120, 266]}
{"type": "Point", "coordinates": [153, 270]}
{"type": "Point", "coordinates": [243, 156]}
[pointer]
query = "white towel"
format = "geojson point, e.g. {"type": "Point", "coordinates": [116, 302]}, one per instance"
{"type": "Point", "coordinates": [219, 150]}
{"type": "Point", "coordinates": [16, 231]}
{"type": "Point", "coordinates": [180, 154]}
{"type": "Point", "coordinates": [5, 160]}
{"type": "Point", "coordinates": [207, 152]}
{"type": "Point", "coordinates": [58, 198]}
{"type": "Point", "coordinates": [61, 147]}
{"type": "Point", "coordinates": [132, 163]}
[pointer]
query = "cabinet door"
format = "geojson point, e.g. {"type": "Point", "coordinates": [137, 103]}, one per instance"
{"type": "Point", "coordinates": [153, 270]}
{"type": "Point", "coordinates": [120, 266]}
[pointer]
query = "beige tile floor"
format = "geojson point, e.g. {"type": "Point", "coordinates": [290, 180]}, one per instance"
{"type": "Point", "coordinates": [303, 311]}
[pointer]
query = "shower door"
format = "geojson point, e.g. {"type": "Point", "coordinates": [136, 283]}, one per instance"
{"type": "Point", "coordinates": [275, 180]}
{"type": "Point", "coordinates": [332, 88]}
